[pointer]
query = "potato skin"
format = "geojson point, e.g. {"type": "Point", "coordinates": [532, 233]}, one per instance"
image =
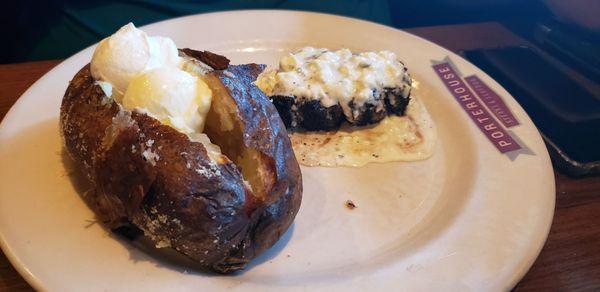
{"type": "Point", "coordinates": [265, 132]}
{"type": "Point", "coordinates": [151, 176]}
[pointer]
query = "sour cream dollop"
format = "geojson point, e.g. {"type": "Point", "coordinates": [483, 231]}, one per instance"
{"type": "Point", "coordinates": [147, 74]}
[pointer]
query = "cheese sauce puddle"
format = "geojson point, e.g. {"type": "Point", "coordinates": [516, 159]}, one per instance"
{"type": "Point", "coordinates": [407, 138]}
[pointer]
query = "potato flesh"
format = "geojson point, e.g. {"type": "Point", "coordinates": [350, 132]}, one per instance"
{"type": "Point", "coordinates": [224, 128]}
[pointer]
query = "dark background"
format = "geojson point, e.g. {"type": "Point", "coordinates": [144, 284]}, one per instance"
{"type": "Point", "coordinates": [37, 30]}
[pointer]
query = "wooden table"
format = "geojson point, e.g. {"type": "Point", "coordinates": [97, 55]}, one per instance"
{"type": "Point", "coordinates": [570, 259]}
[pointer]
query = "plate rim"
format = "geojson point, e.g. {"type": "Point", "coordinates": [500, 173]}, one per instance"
{"type": "Point", "coordinates": [37, 283]}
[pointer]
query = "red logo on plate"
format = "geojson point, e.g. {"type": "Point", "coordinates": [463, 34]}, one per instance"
{"type": "Point", "coordinates": [493, 101]}
{"type": "Point", "coordinates": [475, 109]}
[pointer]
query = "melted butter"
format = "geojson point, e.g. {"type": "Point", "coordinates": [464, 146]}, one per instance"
{"type": "Point", "coordinates": [408, 138]}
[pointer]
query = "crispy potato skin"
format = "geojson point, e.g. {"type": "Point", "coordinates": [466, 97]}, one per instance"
{"type": "Point", "coordinates": [269, 136]}
{"type": "Point", "coordinates": [153, 177]}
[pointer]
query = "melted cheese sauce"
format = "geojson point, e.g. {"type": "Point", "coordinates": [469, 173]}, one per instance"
{"type": "Point", "coordinates": [334, 77]}
{"type": "Point", "coordinates": [408, 138]}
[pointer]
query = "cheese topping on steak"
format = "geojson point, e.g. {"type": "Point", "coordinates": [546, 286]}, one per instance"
{"type": "Point", "coordinates": [334, 77]}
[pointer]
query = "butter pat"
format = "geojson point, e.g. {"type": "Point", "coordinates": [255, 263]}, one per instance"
{"type": "Point", "coordinates": [172, 96]}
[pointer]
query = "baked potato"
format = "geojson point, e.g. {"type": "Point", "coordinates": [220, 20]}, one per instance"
{"type": "Point", "coordinates": [219, 209]}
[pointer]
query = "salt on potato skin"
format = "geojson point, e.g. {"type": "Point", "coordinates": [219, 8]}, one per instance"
{"type": "Point", "coordinates": [158, 180]}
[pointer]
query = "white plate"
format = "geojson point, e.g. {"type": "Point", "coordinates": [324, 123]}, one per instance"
{"type": "Point", "coordinates": [469, 218]}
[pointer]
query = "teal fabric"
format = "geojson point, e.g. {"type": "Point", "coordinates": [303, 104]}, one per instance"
{"type": "Point", "coordinates": [65, 27]}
